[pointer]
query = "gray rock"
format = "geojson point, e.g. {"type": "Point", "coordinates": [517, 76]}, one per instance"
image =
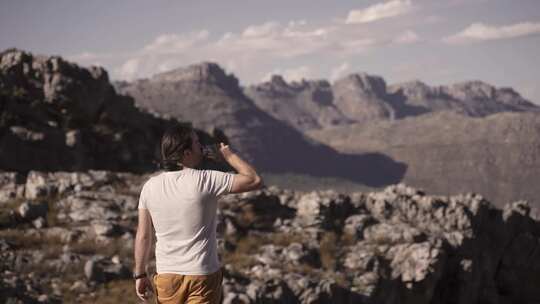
{"type": "Point", "coordinates": [39, 223]}
{"type": "Point", "coordinates": [356, 224]}
{"type": "Point", "coordinates": [11, 186]}
{"type": "Point", "coordinates": [103, 228]}
{"type": "Point", "coordinates": [324, 209]}
{"type": "Point", "coordinates": [93, 271]}
{"type": "Point", "coordinates": [99, 269]}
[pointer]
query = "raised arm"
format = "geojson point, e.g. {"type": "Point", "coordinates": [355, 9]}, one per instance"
{"type": "Point", "coordinates": [247, 178]}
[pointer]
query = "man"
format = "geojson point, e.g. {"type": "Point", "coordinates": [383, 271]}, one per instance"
{"type": "Point", "coordinates": [180, 205]}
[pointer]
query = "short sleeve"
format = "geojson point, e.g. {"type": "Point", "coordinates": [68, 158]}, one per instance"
{"type": "Point", "coordinates": [142, 198]}
{"type": "Point", "coordinates": [217, 182]}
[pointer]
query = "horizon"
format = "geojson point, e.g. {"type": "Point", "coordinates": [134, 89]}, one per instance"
{"type": "Point", "coordinates": [439, 43]}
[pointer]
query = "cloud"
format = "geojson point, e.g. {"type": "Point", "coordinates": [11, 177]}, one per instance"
{"type": "Point", "coordinates": [407, 37]}
{"type": "Point", "coordinates": [130, 69]}
{"type": "Point", "coordinates": [250, 50]}
{"type": "Point", "coordinates": [339, 71]}
{"type": "Point", "coordinates": [172, 43]}
{"type": "Point", "coordinates": [254, 48]}
{"type": "Point", "coordinates": [271, 28]}
{"type": "Point", "coordinates": [273, 38]}
{"type": "Point", "coordinates": [379, 11]}
{"type": "Point", "coordinates": [483, 32]}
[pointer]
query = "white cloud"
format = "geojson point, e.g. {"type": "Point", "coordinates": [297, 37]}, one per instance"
{"type": "Point", "coordinates": [379, 11]}
{"type": "Point", "coordinates": [84, 56]}
{"type": "Point", "coordinates": [407, 37]}
{"type": "Point", "coordinates": [483, 32]}
{"type": "Point", "coordinates": [171, 43]}
{"type": "Point", "coordinates": [130, 69]}
{"type": "Point", "coordinates": [339, 71]}
{"type": "Point", "coordinates": [248, 51]}
{"type": "Point", "coordinates": [270, 28]}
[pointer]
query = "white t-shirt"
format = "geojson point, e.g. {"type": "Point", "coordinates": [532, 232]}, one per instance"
{"type": "Point", "coordinates": [182, 205]}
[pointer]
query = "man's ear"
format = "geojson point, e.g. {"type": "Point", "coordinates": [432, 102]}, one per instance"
{"type": "Point", "coordinates": [186, 153]}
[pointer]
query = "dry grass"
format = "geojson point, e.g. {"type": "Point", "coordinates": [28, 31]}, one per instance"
{"type": "Point", "coordinates": [114, 292]}
{"type": "Point", "coordinates": [245, 248]}
{"type": "Point", "coordinates": [29, 241]}
{"type": "Point", "coordinates": [285, 239]}
{"type": "Point", "coordinates": [93, 246]}
{"type": "Point", "coordinates": [329, 250]}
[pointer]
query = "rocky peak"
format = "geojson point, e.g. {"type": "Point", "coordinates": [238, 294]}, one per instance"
{"type": "Point", "coordinates": [414, 87]}
{"type": "Point", "coordinates": [17, 62]}
{"type": "Point", "coordinates": [54, 114]}
{"type": "Point", "coordinates": [205, 72]}
{"type": "Point", "coordinates": [278, 81]}
{"type": "Point", "coordinates": [471, 90]}
{"type": "Point", "coordinates": [370, 84]}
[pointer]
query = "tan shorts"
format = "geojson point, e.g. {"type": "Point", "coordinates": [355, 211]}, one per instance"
{"type": "Point", "coordinates": [192, 289]}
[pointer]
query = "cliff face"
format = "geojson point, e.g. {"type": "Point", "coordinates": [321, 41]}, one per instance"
{"type": "Point", "coordinates": [450, 153]}
{"type": "Point", "coordinates": [55, 115]}
{"type": "Point", "coordinates": [303, 105]}
{"type": "Point", "coordinates": [471, 98]}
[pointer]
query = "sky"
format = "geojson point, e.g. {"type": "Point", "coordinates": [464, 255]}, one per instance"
{"type": "Point", "coordinates": [439, 42]}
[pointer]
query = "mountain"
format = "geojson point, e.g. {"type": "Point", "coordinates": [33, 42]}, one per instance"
{"type": "Point", "coordinates": [365, 98]}
{"type": "Point", "coordinates": [447, 152]}
{"type": "Point", "coordinates": [472, 98]}
{"type": "Point", "coordinates": [211, 99]}
{"type": "Point", "coordinates": [303, 105]}
{"type": "Point", "coordinates": [450, 139]}
{"type": "Point", "coordinates": [55, 115]}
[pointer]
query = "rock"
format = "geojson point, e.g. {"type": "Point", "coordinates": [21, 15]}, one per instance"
{"type": "Point", "coordinates": [98, 269]}
{"type": "Point", "coordinates": [86, 206]}
{"type": "Point", "coordinates": [39, 223]}
{"type": "Point", "coordinates": [271, 291]}
{"type": "Point", "coordinates": [79, 287]}
{"type": "Point", "coordinates": [29, 211]}
{"type": "Point", "coordinates": [4, 245]}
{"type": "Point", "coordinates": [327, 210]}
{"type": "Point", "coordinates": [255, 211]}
{"type": "Point", "coordinates": [11, 186]}
{"type": "Point", "coordinates": [386, 233]}
{"type": "Point", "coordinates": [41, 184]}
{"type": "Point", "coordinates": [43, 298]}
{"type": "Point", "coordinates": [7, 218]}
{"type": "Point", "coordinates": [93, 271]}
{"type": "Point", "coordinates": [356, 224]}
{"type": "Point", "coordinates": [297, 253]}
{"type": "Point", "coordinates": [103, 228]}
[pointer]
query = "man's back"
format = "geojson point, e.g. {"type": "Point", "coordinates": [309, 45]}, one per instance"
{"type": "Point", "coordinates": [182, 205]}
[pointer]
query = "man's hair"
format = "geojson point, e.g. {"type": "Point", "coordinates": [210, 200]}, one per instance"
{"type": "Point", "coordinates": [174, 142]}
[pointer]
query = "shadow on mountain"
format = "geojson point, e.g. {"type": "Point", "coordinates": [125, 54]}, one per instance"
{"type": "Point", "coordinates": [282, 149]}
{"type": "Point", "coordinates": [402, 109]}
{"type": "Point", "coordinates": [370, 169]}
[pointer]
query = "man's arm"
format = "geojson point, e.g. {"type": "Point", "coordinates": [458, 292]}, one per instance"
{"type": "Point", "coordinates": [247, 178]}
{"type": "Point", "coordinates": [143, 247]}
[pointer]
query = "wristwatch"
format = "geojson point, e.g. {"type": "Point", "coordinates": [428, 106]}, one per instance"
{"type": "Point", "coordinates": [139, 276]}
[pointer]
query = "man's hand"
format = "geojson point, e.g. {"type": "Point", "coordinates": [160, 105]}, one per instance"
{"type": "Point", "coordinates": [143, 288]}
{"type": "Point", "coordinates": [225, 151]}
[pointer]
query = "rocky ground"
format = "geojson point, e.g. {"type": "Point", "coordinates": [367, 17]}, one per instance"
{"type": "Point", "coordinates": [68, 238]}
